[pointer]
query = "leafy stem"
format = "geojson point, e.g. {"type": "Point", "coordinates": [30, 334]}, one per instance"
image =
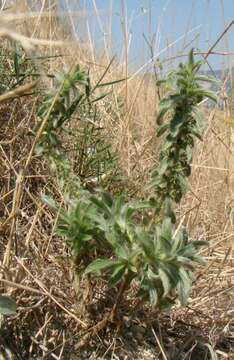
{"type": "Point", "coordinates": [185, 124]}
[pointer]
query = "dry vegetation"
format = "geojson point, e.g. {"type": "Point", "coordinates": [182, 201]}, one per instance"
{"type": "Point", "coordinates": [35, 265]}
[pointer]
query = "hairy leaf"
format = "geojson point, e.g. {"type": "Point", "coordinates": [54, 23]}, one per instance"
{"type": "Point", "coordinates": [99, 264]}
{"type": "Point", "coordinates": [7, 305]}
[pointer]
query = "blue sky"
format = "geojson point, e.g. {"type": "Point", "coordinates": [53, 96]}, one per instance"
{"type": "Point", "coordinates": [165, 21]}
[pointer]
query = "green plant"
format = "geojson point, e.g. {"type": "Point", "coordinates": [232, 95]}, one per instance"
{"type": "Point", "coordinates": [158, 260]}
{"type": "Point", "coordinates": [116, 238]}
{"type": "Point", "coordinates": [74, 98]}
{"type": "Point", "coordinates": [185, 122]}
{"type": "Point", "coordinates": [15, 68]}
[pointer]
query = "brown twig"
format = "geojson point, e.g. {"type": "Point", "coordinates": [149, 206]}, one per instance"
{"type": "Point", "coordinates": [17, 92]}
{"type": "Point", "coordinates": [219, 38]}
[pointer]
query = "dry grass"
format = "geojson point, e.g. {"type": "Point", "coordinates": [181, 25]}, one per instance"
{"type": "Point", "coordinates": [34, 262]}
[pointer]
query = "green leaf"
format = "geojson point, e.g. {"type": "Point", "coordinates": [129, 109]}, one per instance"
{"type": "Point", "coordinates": [104, 74]}
{"type": "Point", "coordinates": [189, 154]}
{"type": "Point", "coordinates": [197, 65]}
{"type": "Point", "coordinates": [49, 202]}
{"type": "Point", "coordinates": [183, 286]}
{"type": "Point", "coordinates": [153, 295]}
{"type": "Point", "coordinates": [152, 275]}
{"type": "Point", "coordinates": [172, 270]}
{"type": "Point", "coordinates": [17, 65]}
{"type": "Point", "coordinates": [191, 59]}
{"type": "Point", "coordinates": [176, 124]}
{"type": "Point", "coordinates": [182, 182]}
{"type": "Point", "coordinates": [188, 250]}
{"type": "Point", "coordinates": [112, 82]}
{"type": "Point", "coordinates": [154, 182]}
{"type": "Point", "coordinates": [100, 97]}
{"type": "Point", "coordinates": [162, 129]}
{"type": "Point", "coordinates": [199, 259]}
{"type": "Point", "coordinates": [199, 117]}
{"type": "Point", "coordinates": [178, 98]}
{"type": "Point", "coordinates": [168, 210]}
{"type": "Point", "coordinates": [206, 93]}
{"type": "Point", "coordinates": [140, 205]}
{"type": "Point", "coordinates": [121, 251]}
{"type": "Point", "coordinates": [164, 106]}
{"type": "Point", "coordinates": [169, 142]}
{"type": "Point", "coordinates": [178, 242]}
{"type": "Point", "coordinates": [127, 212]}
{"type": "Point", "coordinates": [207, 79]}
{"type": "Point", "coordinates": [39, 149]}
{"type": "Point", "coordinates": [117, 274]}
{"type": "Point", "coordinates": [167, 228]}
{"type": "Point", "coordinates": [99, 264]}
{"type": "Point", "coordinates": [163, 166]}
{"type": "Point", "coordinates": [199, 243]}
{"type": "Point", "coordinates": [7, 305]}
{"type": "Point", "coordinates": [107, 198]}
{"type": "Point", "coordinates": [185, 261]}
{"type": "Point", "coordinates": [119, 203]}
{"type": "Point", "coordinates": [165, 281]}
{"type": "Point", "coordinates": [101, 205]}
{"type": "Point", "coordinates": [160, 82]}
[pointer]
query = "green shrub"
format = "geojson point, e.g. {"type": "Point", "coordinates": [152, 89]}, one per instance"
{"type": "Point", "coordinates": [113, 237]}
{"type": "Point", "coordinates": [71, 95]}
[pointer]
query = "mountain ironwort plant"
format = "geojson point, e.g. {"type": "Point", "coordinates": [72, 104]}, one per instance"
{"type": "Point", "coordinates": [73, 95]}
{"type": "Point", "coordinates": [186, 122]}
{"type": "Point", "coordinates": [105, 233]}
